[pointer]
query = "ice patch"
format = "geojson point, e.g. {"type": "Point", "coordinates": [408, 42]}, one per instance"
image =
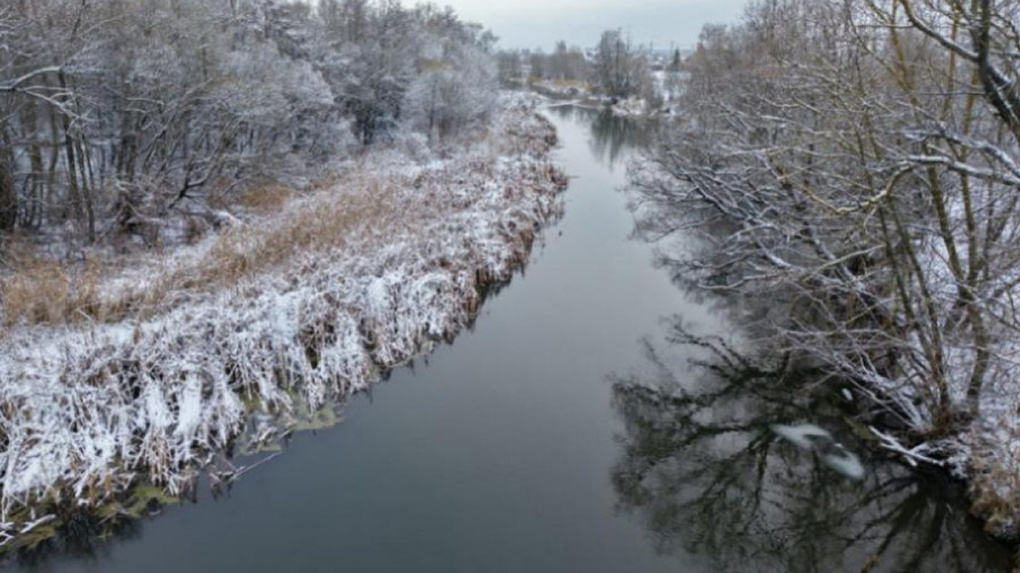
{"type": "Point", "coordinates": [831, 453]}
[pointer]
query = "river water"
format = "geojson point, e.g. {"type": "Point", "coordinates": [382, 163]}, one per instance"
{"type": "Point", "coordinates": [548, 439]}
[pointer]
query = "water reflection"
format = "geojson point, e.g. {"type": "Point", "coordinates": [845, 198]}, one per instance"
{"type": "Point", "coordinates": [81, 537]}
{"type": "Point", "coordinates": [612, 136]}
{"type": "Point", "coordinates": [495, 457]}
{"type": "Point", "coordinates": [702, 471]}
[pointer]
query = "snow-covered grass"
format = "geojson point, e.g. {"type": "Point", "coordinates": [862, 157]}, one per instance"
{"type": "Point", "coordinates": [290, 311]}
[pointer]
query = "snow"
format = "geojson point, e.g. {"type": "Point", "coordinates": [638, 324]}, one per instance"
{"type": "Point", "coordinates": [804, 436]}
{"type": "Point", "coordinates": [631, 107]}
{"type": "Point", "coordinates": [88, 409]}
{"type": "Point", "coordinates": [831, 453]}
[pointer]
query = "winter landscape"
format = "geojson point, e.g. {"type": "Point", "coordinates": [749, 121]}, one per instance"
{"type": "Point", "coordinates": [302, 285]}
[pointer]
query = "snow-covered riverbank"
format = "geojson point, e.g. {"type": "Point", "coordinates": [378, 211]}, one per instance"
{"type": "Point", "coordinates": [374, 269]}
{"type": "Point", "coordinates": [582, 95]}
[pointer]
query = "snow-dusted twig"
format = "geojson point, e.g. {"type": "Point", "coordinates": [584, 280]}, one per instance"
{"type": "Point", "coordinates": [911, 455]}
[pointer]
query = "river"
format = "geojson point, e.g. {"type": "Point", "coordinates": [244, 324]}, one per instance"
{"type": "Point", "coordinates": [529, 444]}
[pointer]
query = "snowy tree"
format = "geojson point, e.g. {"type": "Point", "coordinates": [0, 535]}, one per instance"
{"type": "Point", "coordinates": [619, 71]}
{"type": "Point", "coordinates": [510, 67]}
{"type": "Point", "coordinates": [567, 63]}
{"type": "Point", "coordinates": [858, 163]}
{"type": "Point", "coordinates": [453, 93]}
{"type": "Point", "coordinates": [133, 110]}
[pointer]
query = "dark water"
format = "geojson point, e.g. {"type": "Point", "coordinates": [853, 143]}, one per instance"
{"type": "Point", "coordinates": [551, 438]}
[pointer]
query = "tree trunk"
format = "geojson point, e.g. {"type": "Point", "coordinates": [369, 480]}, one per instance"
{"type": "Point", "coordinates": [8, 193]}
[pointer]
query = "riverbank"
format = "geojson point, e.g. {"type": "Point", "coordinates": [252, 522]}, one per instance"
{"type": "Point", "coordinates": [891, 402]}
{"type": "Point", "coordinates": [581, 94]}
{"type": "Point", "coordinates": [511, 449]}
{"type": "Point", "coordinates": [277, 316]}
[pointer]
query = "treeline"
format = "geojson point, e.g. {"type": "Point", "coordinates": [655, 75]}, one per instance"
{"type": "Point", "coordinates": [518, 67]}
{"type": "Point", "coordinates": [859, 162]}
{"type": "Point", "coordinates": [615, 67]}
{"type": "Point", "coordinates": [114, 113]}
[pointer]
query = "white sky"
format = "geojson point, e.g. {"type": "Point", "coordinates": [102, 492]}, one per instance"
{"type": "Point", "coordinates": [540, 23]}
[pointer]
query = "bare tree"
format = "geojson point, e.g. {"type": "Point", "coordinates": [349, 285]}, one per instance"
{"type": "Point", "coordinates": [857, 161]}
{"type": "Point", "coordinates": [134, 112]}
{"type": "Point", "coordinates": [619, 70]}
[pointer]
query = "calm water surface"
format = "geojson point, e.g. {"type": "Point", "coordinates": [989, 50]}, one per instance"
{"type": "Point", "coordinates": [550, 439]}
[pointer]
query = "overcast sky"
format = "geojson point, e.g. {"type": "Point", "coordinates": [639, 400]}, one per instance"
{"type": "Point", "coordinates": [539, 23]}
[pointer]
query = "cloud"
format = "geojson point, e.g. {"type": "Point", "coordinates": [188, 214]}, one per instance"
{"type": "Point", "coordinates": [540, 23]}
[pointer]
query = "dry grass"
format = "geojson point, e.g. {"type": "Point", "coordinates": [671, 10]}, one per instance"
{"type": "Point", "coordinates": [994, 484]}
{"type": "Point", "coordinates": [316, 225]}
{"type": "Point", "coordinates": [362, 200]}
{"type": "Point", "coordinates": [347, 282]}
{"type": "Point", "coordinates": [266, 198]}
{"type": "Point", "coordinates": [42, 291]}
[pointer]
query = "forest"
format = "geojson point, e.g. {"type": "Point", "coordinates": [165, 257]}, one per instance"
{"type": "Point", "coordinates": [616, 69]}
{"type": "Point", "coordinates": [128, 121]}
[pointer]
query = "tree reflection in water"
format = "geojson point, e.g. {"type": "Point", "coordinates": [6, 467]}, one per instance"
{"type": "Point", "coordinates": [703, 472]}
{"type": "Point", "coordinates": [80, 537]}
{"type": "Point", "coordinates": [612, 136]}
